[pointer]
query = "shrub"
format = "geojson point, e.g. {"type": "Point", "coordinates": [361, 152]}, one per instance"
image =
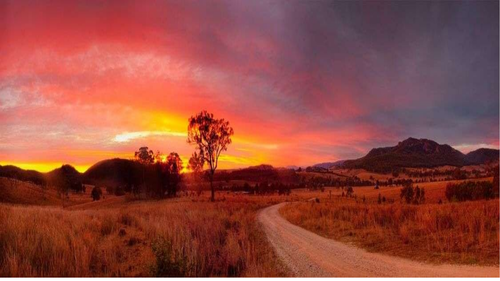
{"type": "Point", "coordinates": [167, 265]}
{"type": "Point", "coordinates": [96, 193]}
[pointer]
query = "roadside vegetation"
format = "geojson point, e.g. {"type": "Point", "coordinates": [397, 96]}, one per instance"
{"type": "Point", "coordinates": [184, 237]}
{"type": "Point", "coordinates": [426, 229]}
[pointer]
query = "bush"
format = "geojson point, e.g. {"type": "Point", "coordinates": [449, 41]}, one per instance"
{"type": "Point", "coordinates": [167, 265]}
{"type": "Point", "coordinates": [469, 190]}
{"type": "Point", "coordinates": [96, 193]}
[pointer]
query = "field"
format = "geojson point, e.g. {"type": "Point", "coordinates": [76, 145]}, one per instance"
{"type": "Point", "coordinates": [190, 236]}
{"type": "Point", "coordinates": [434, 191]}
{"type": "Point", "coordinates": [180, 237]}
{"type": "Point", "coordinates": [464, 233]}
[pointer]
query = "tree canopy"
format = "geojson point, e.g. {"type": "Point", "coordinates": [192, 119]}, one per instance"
{"type": "Point", "coordinates": [211, 136]}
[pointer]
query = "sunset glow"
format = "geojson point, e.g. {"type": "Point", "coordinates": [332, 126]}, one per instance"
{"type": "Point", "coordinates": [85, 81]}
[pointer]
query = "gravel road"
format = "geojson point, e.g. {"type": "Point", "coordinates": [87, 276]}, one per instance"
{"type": "Point", "coordinates": [308, 255]}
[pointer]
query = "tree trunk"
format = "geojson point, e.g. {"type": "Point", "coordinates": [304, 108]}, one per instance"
{"type": "Point", "coordinates": [212, 186]}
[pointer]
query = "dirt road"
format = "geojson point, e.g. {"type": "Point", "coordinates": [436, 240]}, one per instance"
{"type": "Point", "coordinates": [307, 254]}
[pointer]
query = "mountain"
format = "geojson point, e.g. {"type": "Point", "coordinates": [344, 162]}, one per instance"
{"type": "Point", "coordinates": [482, 156]}
{"type": "Point", "coordinates": [414, 152]}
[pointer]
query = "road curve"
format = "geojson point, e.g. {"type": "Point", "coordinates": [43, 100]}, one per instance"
{"type": "Point", "coordinates": [309, 255]}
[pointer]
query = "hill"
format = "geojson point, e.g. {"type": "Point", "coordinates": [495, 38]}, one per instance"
{"type": "Point", "coordinates": [16, 191]}
{"type": "Point", "coordinates": [113, 172]}
{"type": "Point", "coordinates": [14, 172]}
{"type": "Point", "coordinates": [259, 173]}
{"type": "Point", "coordinates": [482, 156]}
{"type": "Point", "coordinates": [418, 153]}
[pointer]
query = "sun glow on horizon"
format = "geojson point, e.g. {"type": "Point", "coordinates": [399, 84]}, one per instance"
{"type": "Point", "coordinates": [44, 167]}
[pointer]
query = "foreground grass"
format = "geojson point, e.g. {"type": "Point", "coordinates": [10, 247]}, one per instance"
{"type": "Point", "coordinates": [163, 238]}
{"type": "Point", "coordinates": [464, 233]}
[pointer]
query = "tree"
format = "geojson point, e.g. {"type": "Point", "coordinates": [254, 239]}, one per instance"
{"type": "Point", "coordinates": [196, 166]}
{"type": "Point", "coordinates": [64, 179]}
{"type": "Point", "coordinates": [407, 192]}
{"type": "Point", "coordinates": [173, 168]}
{"type": "Point", "coordinates": [211, 136]}
{"type": "Point", "coordinates": [145, 156]}
{"type": "Point", "coordinates": [163, 177]}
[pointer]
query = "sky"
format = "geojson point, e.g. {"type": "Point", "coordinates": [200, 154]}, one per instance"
{"type": "Point", "coordinates": [301, 82]}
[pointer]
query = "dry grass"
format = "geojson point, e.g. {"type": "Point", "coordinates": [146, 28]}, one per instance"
{"type": "Point", "coordinates": [434, 191]}
{"type": "Point", "coordinates": [188, 239]}
{"type": "Point", "coordinates": [26, 193]}
{"type": "Point", "coordinates": [458, 233]}
{"type": "Point", "coordinates": [190, 236]}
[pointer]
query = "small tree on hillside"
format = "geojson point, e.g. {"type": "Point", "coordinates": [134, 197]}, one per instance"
{"type": "Point", "coordinates": [211, 136]}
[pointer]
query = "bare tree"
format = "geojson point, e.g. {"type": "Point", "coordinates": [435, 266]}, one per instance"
{"type": "Point", "coordinates": [211, 136]}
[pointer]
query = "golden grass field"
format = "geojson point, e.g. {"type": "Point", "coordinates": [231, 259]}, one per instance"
{"type": "Point", "coordinates": [190, 236]}
{"type": "Point", "coordinates": [180, 237]}
{"type": "Point", "coordinates": [466, 233]}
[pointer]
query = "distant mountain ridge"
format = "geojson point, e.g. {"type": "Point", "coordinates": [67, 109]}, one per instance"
{"type": "Point", "coordinates": [327, 165]}
{"type": "Point", "coordinates": [414, 152]}
{"type": "Point", "coordinates": [411, 152]}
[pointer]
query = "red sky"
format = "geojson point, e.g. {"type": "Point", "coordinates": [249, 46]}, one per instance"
{"type": "Point", "coordinates": [301, 82]}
